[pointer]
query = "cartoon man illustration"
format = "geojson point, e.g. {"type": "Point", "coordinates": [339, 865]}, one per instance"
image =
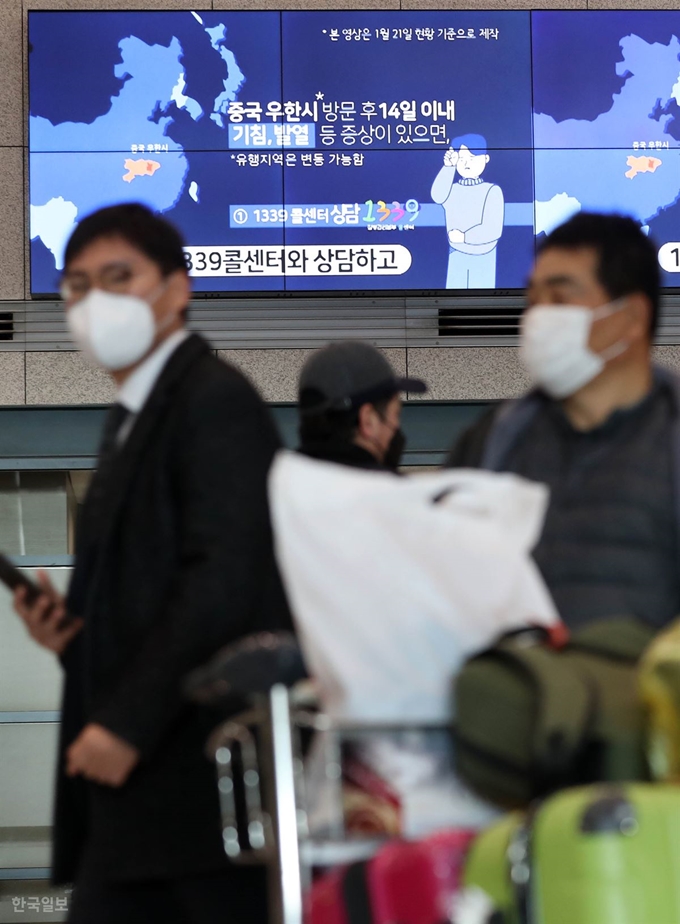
{"type": "Point", "coordinates": [474, 211]}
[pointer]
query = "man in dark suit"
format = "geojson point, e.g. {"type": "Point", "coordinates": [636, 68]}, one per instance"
{"type": "Point", "coordinates": [174, 560]}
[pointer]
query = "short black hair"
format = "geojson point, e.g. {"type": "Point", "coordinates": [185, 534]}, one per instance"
{"type": "Point", "coordinates": [627, 259]}
{"type": "Point", "coordinates": [155, 237]}
{"type": "Point", "coordinates": [333, 426]}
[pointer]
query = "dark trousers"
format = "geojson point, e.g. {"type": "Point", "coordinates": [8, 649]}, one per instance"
{"type": "Point", "coordinates": [237, 897]}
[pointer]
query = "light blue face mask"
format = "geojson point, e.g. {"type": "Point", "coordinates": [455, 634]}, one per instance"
{"type": "Point", "coordinates": [554, 346]}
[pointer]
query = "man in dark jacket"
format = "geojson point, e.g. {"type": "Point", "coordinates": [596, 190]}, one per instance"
{"type": "Point", "coordinates": [350, 407]}
{"type": "Point", "coordinates": [174, 560]}
{"type": "Point", "coordinates": [600, 428]}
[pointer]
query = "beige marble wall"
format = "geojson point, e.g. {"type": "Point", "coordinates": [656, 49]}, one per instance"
{"type": "Point", "coordinates": [12, 378]}
{"type": "Point", "coordinates": [668, 356]}
{"type": "Point", "coordinates": [468, 373]}
{"type": "Point", "coordinates": [11, 221]}
{"type": "Point", "coordinates": [55, 378]}
{"type": "Point", "coordinates": [275, 373]}
{"type": "Point", "coordinates": [65, 378]}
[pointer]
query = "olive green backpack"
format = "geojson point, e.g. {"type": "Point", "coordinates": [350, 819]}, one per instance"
{"type": "Point", "coordinates": [532, 718]}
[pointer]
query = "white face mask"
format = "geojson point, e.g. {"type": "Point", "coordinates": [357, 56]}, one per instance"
{"type": "Point", "coordinates": [115, 331]}
{"type": "Point", "coordinates": [554, 346]}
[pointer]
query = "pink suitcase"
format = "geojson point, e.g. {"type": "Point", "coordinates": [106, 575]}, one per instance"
{"type": "Point", "coordinates": [412, 882]}
{"type": "Point", "coordinates": [324, 904]}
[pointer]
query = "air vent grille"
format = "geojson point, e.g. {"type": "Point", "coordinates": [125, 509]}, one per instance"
{"type": "Point", "coordinates": [254, 323]}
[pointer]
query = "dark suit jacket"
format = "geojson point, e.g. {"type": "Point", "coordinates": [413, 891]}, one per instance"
{"type": "Point", "coordinates": [184, 565]}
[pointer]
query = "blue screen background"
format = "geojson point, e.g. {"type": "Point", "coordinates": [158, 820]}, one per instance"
{"type": "Point", "coordinates": [137, 106]}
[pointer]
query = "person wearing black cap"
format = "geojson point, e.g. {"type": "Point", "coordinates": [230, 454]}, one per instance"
{"type": "Point", "coordinates": [350, 407]}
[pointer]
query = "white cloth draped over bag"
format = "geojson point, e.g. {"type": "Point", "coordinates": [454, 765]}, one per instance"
{"type": "Point", "coordinates": [395, 582]}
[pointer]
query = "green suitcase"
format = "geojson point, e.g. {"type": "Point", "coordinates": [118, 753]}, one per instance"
{"type": "Point", "coordinates": [659, 682]}
{"type": "Point", "coordinates": [600, 854]}
{"type": "Point", "coordinates": [487, 866]}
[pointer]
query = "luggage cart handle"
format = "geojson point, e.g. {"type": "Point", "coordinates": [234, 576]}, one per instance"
{"type": "Point", "coordinates": [235, 738]}
{"type": "Point", "coordinates": [283, 722]}
{"type": "Point", "coordinates": [231, 738]}
{"type": "Point", "coordinates": [287, 770]}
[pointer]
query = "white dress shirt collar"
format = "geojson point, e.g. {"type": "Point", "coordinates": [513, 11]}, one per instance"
{"type": "Point", "coordinates": [137, 387]}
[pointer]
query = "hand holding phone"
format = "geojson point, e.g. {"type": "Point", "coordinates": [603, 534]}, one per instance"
{"type": "Point", "coordinates": [13, 579]}
{"type": "Point", "coordinates": [43, 610]}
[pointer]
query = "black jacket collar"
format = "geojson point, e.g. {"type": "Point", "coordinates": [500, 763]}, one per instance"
{"type": "Point", "coordinates": [186, 354]}
{"type": "Point", "coordinates": [342, 453]}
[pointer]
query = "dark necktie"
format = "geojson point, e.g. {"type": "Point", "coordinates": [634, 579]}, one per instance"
{"type": "Point", "coordinates": [108, 450]}
{"type": "Point", "coordinates": [115, 419]}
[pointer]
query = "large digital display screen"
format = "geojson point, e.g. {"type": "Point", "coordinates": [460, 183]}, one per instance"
{"type": "Point", "coordinates": [340, 151]}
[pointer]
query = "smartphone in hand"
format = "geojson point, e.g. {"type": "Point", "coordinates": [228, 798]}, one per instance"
{"type": "Point", "coordinates": [13, 578]}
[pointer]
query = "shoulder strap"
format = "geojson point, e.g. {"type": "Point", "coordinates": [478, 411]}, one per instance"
{"type": "Point", "coordinates": [672, 382]}
{"type": "Point", "coordinates": [565, 706]}
{"type": "Point", "coordinates": [355, 894]}
{"type": "Point", "coordinates": [621, 638]}
{"type": "Point", "coordinates": [510, 421]}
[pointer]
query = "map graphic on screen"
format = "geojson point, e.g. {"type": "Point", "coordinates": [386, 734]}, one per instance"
{"type": "Point", "coordinates": [354, 151]}
{"type": "Point", "coordinates": [607, 120]}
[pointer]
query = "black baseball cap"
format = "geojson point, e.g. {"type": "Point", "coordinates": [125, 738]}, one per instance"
{"type": "Point", "coordinates": [343, 376]}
